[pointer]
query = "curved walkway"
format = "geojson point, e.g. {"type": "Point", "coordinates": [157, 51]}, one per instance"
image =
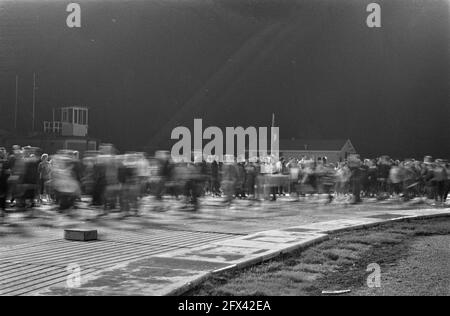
{"type": "Point", "coordinates": [171, 260]}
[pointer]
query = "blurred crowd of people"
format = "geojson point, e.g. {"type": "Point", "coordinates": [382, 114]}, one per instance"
{"type": "Point", "coordinates": [29, 177]}
{"type": "Point", "coordinates": [353, 179]}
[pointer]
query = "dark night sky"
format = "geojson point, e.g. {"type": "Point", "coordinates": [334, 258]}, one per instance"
{"type": "Point", "coordinates": [144, 67]}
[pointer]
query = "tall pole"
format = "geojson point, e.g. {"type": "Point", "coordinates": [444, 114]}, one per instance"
{"type": "Point", "coordinates": [34, 101]}
{"type": "Point", "coordinates": [16, 103]}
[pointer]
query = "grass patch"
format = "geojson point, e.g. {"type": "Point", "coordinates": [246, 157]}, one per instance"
{"type": "Point", "coordinates": [337, 263]}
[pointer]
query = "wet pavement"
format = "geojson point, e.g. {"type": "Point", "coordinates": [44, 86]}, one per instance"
{"type": "Point", "coordinates": [167, 247]}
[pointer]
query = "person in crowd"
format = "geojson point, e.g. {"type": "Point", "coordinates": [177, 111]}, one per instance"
{"type": "Point", "coordinates": [396, 178]}
{"type": "Point", "coordinates": [87, 178]}
{"type": "Point", "coordinates": [372, 172]}
{"type": "Point", "coordinates": [280, 169]}
{"type": "Point", "coordinates": [194, 180]}
{"type": "Point", "coordinates": [354, 164]}
{"type": "Point", "coordinates": [447, 186]}
{"type": "Point", "coordinates": [439, 180]}
{"type": "Point", "coordinates": [30, 178]}
{"type": "Point", "coordinates": [294, 175]}
{"type": "Point", "coordinates": [326, 178]}
{"type": "Point", "coordinates": [251, 172]}
{"type": "Point", "coordinates": [343, 175]}
{"type": "Point", "coordinates": [409, 180]}
{"type": "Point", "coordinates": [165, 167]}
{"type": "Point", "coordinates": [65, 184]}
{"type": "Point", "coordinates": [44, 170]}
{"type": "Point", "coordinates": [15, 164]}
{"type": "Point", "coordinates": [128, 177]}
{"type": "Point", "coordinates": [99, 181]}
{"type": "Point", "coordinates": [215, 178]}
{"type": "Point", "coordinates": [241, 180]}
{"type": "Point", "coordinates": [384, 168]}
{"type": "Point", "coordinates": [4, 175]}
{"type": "Point", "coordinates": [229, 179]}
{"type": "Point", "coordinates": [309, 180]}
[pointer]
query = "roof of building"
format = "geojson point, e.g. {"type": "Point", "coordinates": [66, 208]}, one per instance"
{"type": "Point", "coordinates": [313, 144]}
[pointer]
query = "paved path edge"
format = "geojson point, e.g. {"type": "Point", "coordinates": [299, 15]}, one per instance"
{"type": "Point", "coordinates": [298, 246]}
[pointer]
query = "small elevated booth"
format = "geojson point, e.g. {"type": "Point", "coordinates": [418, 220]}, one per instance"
{"type": "Point", "coordinates": [71, 132]}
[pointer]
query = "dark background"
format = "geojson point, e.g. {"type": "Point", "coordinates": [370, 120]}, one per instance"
{"type": "Point", "coordinates": [144, 67]}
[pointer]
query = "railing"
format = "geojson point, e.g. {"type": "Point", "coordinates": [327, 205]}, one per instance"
{"type": "Point", "coordinates": [52, 127]}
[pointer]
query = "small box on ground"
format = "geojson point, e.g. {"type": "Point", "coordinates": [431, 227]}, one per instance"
{"type": "Point", "coordinates": [80, 234]}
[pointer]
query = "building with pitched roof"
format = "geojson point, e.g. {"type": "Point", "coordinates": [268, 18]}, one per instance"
{"type": "Point", "coordinates": [335, 150]}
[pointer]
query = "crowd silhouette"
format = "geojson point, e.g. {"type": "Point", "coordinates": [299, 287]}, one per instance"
{"type": "Point", "coordinates": [29, 178]}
